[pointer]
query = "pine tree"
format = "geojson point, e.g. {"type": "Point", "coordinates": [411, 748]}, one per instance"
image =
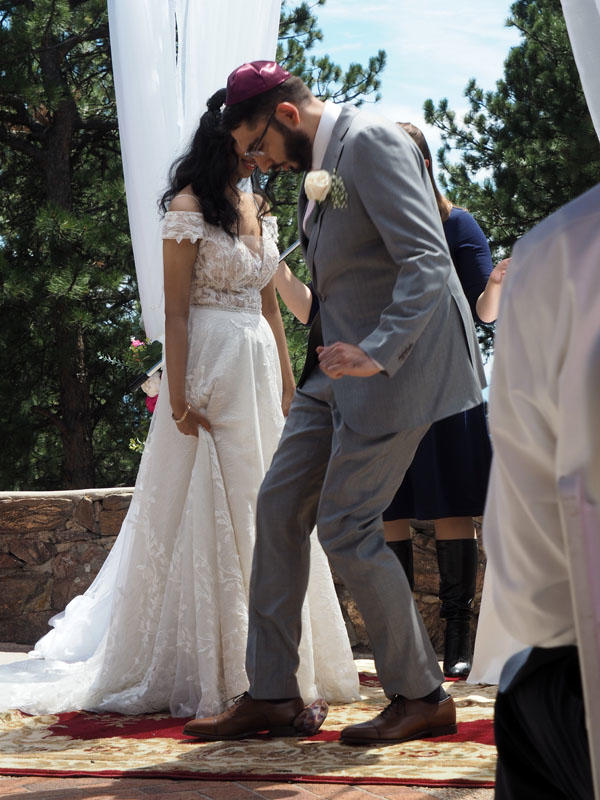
{"type": "Point", "coordinates": [67, 289]}
{"type": "Point", "coordinates": [528, 147]}
{"type": "Point", "coordinates": [67, 284]}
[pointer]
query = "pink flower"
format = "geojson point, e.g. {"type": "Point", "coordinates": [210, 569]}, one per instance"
{"type": "Point", "coordinates": [136, 343]}
{"type": "Point", "coordinates": [151, 403]}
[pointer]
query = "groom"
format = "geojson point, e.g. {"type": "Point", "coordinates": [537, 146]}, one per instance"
{"type": "Point", "coordinates": [400, 352]}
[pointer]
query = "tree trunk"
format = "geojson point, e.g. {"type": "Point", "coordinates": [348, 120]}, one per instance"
{"type": "Point", "coordinates": [75, 423]}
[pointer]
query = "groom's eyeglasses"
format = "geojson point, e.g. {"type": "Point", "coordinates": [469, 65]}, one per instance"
{"type": "Point", "coordinates": [254, 150]}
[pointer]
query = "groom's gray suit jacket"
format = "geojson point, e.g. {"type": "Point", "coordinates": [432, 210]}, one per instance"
{"type": "Point", "coordinates": [385, 281]}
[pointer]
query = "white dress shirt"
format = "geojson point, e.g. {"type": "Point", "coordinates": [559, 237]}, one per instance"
{"type": "Point", "coordinates": [329, 117]}
{"type": "Point", "coordinates": [542, 516]}
{"type": "Point", "coordinates": [543, 429]}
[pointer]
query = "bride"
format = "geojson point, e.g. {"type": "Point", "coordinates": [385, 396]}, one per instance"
{"type": "Point", "coordinates": [164, 624]}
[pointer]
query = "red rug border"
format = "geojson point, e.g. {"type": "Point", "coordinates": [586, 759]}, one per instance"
{"type": "Point", "coordinates": [241, 776]}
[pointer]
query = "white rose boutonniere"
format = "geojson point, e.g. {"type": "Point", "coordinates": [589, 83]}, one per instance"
{"type": "Point", "coordinates": [317, 185]}
{"type": "Point", "coordinates": [321, 185]}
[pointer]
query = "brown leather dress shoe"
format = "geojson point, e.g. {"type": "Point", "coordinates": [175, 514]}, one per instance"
{"type": "Point", "coordinates": [403, 720]}
{"type": "Point", "coordinates": [247, 717]}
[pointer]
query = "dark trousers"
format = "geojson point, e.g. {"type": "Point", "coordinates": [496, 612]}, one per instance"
{"type": "Point", "coordinates": [541, 737]}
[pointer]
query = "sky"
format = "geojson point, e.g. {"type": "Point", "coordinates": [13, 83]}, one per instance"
{"type": "Point", "coordinates": [433, 48]}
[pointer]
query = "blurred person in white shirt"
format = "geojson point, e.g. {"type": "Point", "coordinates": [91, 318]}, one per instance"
{"type": "Point", "coordinates": [541, 523]}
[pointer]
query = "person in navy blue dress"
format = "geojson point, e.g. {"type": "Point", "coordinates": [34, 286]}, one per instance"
{"type": "Point", "coordinates": [447, 480]}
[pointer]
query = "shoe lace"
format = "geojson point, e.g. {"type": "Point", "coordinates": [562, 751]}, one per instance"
{"type": "Point", "coordinates": [395, 706]}
{"type": "Point", "coordinates": [237, 699]}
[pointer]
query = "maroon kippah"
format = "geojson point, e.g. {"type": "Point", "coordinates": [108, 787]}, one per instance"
{"type": "Point", "coordinates": [253, 78]}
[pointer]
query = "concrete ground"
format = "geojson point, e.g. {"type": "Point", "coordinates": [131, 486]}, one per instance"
{"type": "Point", "coordinates": [31, 788]}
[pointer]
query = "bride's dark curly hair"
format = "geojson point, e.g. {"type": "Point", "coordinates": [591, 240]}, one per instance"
{"type": "Point", "coordinates": [208, 167]}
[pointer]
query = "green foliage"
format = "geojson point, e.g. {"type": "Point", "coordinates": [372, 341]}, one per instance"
{"type": "Point", "coordinates": [528, 147]}
{"type": "Point", "coordinates": [298, 33]}
{"type": "Point", "coordinates": [142, 354]}
{"type": "Point", "coordinates": [67, 283]}
{"type": "Point", "coordinates": [67, 291]}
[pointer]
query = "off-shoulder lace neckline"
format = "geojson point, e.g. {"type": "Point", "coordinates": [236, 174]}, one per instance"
{"type": "Point", "coordinates": [253, 244]}
{"type": "Point", "coordinates": [240, 236]}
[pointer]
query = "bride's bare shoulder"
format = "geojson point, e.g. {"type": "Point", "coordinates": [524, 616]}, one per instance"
{"type": "Point", "coordinates": [185, 201]}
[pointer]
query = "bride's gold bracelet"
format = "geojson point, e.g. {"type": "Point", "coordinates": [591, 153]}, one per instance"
{"type": "Point", "coordinates": [188, 408]}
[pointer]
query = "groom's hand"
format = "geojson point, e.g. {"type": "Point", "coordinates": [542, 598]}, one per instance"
{"type": "Point", "coordinates": [340, 359]}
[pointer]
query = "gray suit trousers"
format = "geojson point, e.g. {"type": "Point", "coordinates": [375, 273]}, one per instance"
{"type": "Point", "coordinates": [323, 473]}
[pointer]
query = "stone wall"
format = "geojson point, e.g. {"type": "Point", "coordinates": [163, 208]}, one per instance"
{"type": "Point", "coordinates": [52, 544]}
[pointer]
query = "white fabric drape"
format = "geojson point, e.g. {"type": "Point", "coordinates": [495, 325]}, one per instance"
{"type": "Point", "coordinates": [583, 24]}
{"type": "Point", "coordinates": [168, 58]}
{"type": "Point", "coordinates": [581, 517]}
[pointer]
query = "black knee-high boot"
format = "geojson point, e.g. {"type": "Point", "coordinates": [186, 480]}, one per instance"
{"type": "Point", "coordinates": [457, 561]}
{"type": "Point", "coordinates": [404, 553]}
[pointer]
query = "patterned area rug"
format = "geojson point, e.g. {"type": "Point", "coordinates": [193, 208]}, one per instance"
{"type": "Point", "coordinates": [109, 745]}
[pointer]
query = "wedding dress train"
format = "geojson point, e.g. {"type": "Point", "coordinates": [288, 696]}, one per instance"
{"type": "Point", "coordinates": [163, 625]}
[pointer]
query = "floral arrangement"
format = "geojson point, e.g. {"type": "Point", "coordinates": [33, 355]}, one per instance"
{"type": "Point", "coordinates": [151, 387]}
{"type": "Point", "coordinates": [143, 355]}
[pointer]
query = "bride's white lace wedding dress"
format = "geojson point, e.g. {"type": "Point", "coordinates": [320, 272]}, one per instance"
{"type": "Point", "coordinates": [163, 626]}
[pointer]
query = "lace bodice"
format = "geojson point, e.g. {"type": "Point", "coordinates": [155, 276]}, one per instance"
{"type": "Point", "coordinates": [228, 272]}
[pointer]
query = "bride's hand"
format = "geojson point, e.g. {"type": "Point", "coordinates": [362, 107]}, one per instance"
{"type": "Point", "coordinates": [189, 426]}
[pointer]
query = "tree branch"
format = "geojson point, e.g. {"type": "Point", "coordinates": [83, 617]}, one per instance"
{"type": "Point", "coordinates": [54, 418]}
{"type": "Point", "coordinates": [23, 146]}
{"type": "Point", "coordinates": [90, 35]}
{"type": "Point", "coordinates": [99, 124]}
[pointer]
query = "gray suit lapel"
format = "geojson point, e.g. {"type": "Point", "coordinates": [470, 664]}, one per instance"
{"type": "Point", "coordinates": [330, 162]}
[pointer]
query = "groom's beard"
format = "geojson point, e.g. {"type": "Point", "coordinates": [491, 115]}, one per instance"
{"type": "Point", "coordinates": [298, 147]}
